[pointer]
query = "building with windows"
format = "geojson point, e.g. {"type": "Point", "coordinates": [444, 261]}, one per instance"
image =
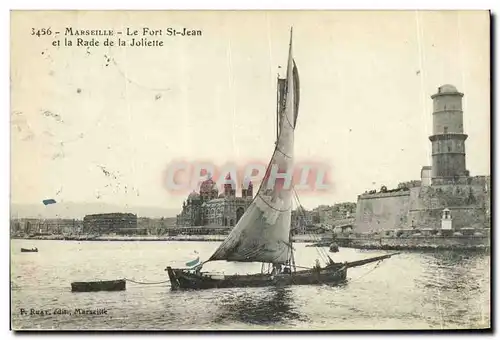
{"type": "Point", "coordinates": [112, 223]}
{"type": "Point", "coordinates": [209, 208]}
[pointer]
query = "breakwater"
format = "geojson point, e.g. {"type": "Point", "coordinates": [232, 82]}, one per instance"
{"type": "Point", "coordinates": [417, 242]}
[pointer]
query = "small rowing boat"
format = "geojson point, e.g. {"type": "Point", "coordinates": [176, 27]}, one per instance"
{"type": "Point", "coordinates": [96, 286]}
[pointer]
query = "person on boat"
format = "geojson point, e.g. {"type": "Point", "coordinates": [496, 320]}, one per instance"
{"type": "Point", "coordinates": [276, 269]}
{"type": "Point", "coordinates": [317, 265]}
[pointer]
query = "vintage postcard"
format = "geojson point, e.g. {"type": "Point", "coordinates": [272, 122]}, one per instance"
{"type": "Point", "coordinates": [250, 170]}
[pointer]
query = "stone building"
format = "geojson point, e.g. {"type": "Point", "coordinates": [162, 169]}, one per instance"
{"type": "Point", "coordinates": [446, 184]}
{"type": "Point", "coordinates": [448, 138]}
{"type": "Point", "coordinates": [208, 207]}
{"type": "Point", "coordinates": [112, 223]}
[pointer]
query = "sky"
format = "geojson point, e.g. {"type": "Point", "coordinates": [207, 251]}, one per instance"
{"type": "Point", "coordinates": [102, 124]}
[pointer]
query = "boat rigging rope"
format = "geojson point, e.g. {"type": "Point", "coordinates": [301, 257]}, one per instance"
{"type": "Point", "coordinates": [281, 152]}
{"type": "Point", "coordinates": [321, 252]}
{"type": "Point", "coordinates": [146, 283]}
{"type": "Point", "coordinates": [270, 206]}
{"type": "Point", "coordinates": [371, 270]}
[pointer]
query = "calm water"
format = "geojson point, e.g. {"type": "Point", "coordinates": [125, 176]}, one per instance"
{"type": "Point", "coordinates": [410, 291]}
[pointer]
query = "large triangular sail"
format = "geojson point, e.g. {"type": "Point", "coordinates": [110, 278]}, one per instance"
{"type": "Point", "coordinates": [263, 232]}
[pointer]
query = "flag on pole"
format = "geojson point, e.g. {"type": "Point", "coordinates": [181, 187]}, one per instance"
{"type": "Point", "coordinates": [193, 262]}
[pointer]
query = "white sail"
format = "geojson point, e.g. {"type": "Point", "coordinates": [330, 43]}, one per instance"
{"type": "Point", "coordinates": [263, 232]}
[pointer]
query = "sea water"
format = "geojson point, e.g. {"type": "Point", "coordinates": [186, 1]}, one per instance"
{"type": "Point", "coordinates": [413, 290]}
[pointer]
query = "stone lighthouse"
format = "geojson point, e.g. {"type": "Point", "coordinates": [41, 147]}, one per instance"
{"type": "Point", "coordinates": [448, 138]}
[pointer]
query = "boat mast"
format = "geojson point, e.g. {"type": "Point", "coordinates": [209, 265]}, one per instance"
{"type": "Point", "coordinates": [292, 258]}
{"type": "Point", "coordinates": [278, 104]}
{"type": "Point", "coordinates": [291, 261]}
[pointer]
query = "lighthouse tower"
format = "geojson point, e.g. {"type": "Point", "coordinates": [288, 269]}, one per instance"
{"type": "Point", "coordinates": [448, 138]}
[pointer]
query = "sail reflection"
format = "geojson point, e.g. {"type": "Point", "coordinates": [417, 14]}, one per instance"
{"type": "Point", "coordinates": [262, 306]}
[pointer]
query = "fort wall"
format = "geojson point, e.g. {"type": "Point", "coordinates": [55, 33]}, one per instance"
{"type": "Point", "coordinates": [382, 211]}
{"type": "Point", "coordinates": [422, 207]}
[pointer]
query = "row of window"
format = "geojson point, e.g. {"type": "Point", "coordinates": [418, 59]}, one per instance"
{"type": "Point", "coordinates": [221, 221]}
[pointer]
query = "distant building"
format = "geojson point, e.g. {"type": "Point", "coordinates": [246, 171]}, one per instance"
{"type": "Point", "coordinates": [59, 226]}
{"type": "Point", "coordinates": [322, 218]}
{"type": "Point", "coordinates": [25, 225]}
{"type": "Point", "coordinates": [209, 208]}
{"type": "Point", "coordinates": [112, 223]}
{"type": "Point", "coordinates": [446, 184]}
{"type": "Point", "coordinates": [156, 226]}
{"type": "Point", "coordinates": [32, 226]}
{"type": "Point", "coordinates": [301, 219]}
{"type": "Point", "coordinates": [326, 214]}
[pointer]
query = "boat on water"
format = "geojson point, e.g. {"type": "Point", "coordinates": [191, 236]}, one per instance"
{"type": "Point", "coordinates": [334, 248]}
{"type": "Point", "coordinates": [263, 233]}
{"type": "Point", "coordinates": [333, 273]}
{"type": "Point", "coordinates": [97, 286]}
{"type": "Point", "coordinates": [326, 243]}
{"type": "Point", "coordinates": [32, 250]}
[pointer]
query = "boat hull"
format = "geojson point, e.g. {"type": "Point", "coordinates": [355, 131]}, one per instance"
{"type": "Point", "coordinates": [97, 286]}
{"type": "Point", "coordinates": [183, 279]}
{"type": "Point", "coordinates": [24, 250]}
{"type": "Point", "coordinates": [334, 248]}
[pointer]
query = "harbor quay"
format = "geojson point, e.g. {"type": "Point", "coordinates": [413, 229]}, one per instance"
{"type": "Point", "coordinates": [418, 240]}
{"type": "Point", "coordinates": [193, 238]}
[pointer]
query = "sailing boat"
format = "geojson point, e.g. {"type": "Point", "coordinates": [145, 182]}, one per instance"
{"type": "Point", "coordinates": [263, 232]}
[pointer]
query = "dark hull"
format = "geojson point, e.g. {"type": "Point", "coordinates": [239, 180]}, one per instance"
{"type": "Point", "coordinates": [24, 250]}
{"type": "Point", "coordinates": [334, 248]}
{"type": "Point", "coordinates": [96, 286]}
{"type": "Point", "coordinates": [183, 279]}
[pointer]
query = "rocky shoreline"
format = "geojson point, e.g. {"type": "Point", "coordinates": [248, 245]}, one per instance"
{"type": "Point", "coordinates": [420, 247]}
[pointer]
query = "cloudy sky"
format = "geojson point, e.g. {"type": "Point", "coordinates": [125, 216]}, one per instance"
{"type": "Point", "coordinates": [101, 124]}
